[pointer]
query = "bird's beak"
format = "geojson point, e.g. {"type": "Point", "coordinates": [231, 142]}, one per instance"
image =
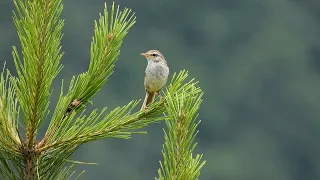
{"type": "Point", "coordinates": [143, 54]}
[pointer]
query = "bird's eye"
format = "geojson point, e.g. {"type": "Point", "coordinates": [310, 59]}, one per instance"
{"type": "Point", "coordinates": [154, 54]}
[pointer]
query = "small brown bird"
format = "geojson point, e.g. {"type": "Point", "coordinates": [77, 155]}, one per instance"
{"type": "Point", "coordinates": [156, 75]}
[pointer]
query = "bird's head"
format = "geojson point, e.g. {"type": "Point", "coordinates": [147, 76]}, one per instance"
{"type": "Point", "coordinates": [153, 55]}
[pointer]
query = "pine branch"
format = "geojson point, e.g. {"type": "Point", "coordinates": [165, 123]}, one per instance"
{"type": "Point", "coordinates": [105, 49]}
{"type": "Point", "coordinates": [118, 123]}
{"type": "Point", "coordinates": [178, 163]}
{"type": "Point", "coordinates": [10, 141]}
{"type": "Point", "coordinates": [39, 31]}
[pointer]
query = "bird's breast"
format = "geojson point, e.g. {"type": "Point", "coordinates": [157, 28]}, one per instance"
{"type": "Point", "coordinates": [156, 76]}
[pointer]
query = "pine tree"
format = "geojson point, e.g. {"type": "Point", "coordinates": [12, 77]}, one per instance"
{"type": "Point", "coordinates": [24, 100]}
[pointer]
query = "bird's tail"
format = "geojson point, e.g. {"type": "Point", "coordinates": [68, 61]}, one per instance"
{"type": "Point", "coordinates": [149, 98]}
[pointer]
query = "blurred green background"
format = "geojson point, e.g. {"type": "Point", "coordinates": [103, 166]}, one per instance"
{"type": "Point", "coordinates": [257, 62]}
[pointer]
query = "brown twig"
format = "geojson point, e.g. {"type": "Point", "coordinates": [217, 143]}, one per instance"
{"type": "Point", "coordinates": [75, 103]}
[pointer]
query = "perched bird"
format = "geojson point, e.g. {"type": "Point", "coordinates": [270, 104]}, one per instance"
{"type": "Point", "coordinates": [156, 75]}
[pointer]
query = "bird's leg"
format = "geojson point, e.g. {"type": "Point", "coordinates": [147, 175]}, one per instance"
{"type": "Point", "coordinates": [144, 106]}
{"type": "Point", "coordinates": [158, 92]}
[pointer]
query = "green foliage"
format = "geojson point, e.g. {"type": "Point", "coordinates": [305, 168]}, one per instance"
{"type": "Point", "coordinates": [9, 141]}
{"type": "Point", "coordinates": [39, 30]}
{"type": "Point", "coordinates": [182, 107]}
